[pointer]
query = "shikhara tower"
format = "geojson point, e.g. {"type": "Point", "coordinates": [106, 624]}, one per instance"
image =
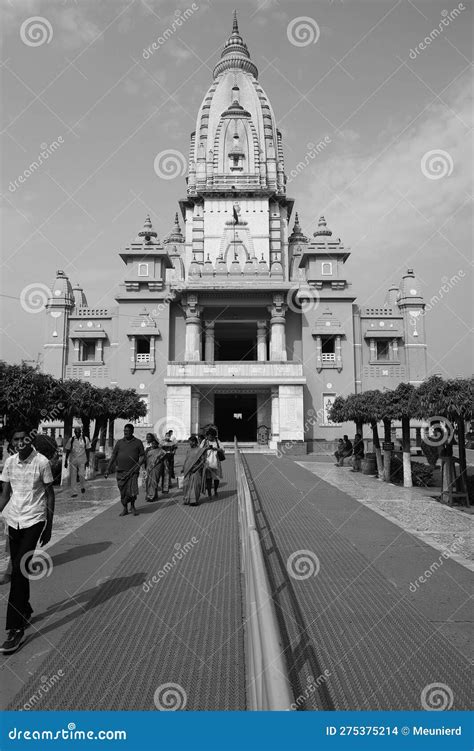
{"type": "Point", "coordinates": [235, 320]}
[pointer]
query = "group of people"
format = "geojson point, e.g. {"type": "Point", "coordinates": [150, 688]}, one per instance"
{"type": "Point", "coordinates": [346, 449]}
{"type": "Point", "coordinates": [27, 500]}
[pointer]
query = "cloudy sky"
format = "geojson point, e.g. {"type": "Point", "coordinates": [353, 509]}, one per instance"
{"type": "Point", "coordinates": [394, 178]}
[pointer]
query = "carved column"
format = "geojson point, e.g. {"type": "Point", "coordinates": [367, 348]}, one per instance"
{"type": "Point", "coordinates": [277, 332]}
{"type": "Point", "coordinates": [373, 349]}
{"type": "Point", "coordinates": [133, 349]}
{"type": "Point", "coordinates": [209, 341]}
{"type": "Point", "coordinates": [275, 413]}
{"type": "Point", "coordinates": [193, 329]}
{"type": "Point", "coordinates": [99, 351]}
{"type": "Point", "coordinates": [76, 344]}
{"type": "Point", "coordinates": [338, 353]}
{"type": "Point", "coordinates": [194, 412]}
{"type": "Point", "coordinates": [319, 347]}
{"type": "Point", "coordinates": [395, 349]}
{"type": "Point", "coordinates": [261, 341]}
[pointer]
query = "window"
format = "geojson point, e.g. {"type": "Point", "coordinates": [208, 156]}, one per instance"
{"type": "Point", "coordinates": [382, 349]}
{"type": "Point", "coordinates": [326, 268]}
{"type": "Point", "coordinates": [87, 350]}
{"type": "Point", "coordinates": [328, 349]}
{"type": "Point", "coordinates": [142, 269]}
{"type": "Point", "coordinates": [143, 349]}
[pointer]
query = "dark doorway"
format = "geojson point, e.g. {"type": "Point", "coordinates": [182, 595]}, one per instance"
{"type": "Point", "coordinates": [236, 415]}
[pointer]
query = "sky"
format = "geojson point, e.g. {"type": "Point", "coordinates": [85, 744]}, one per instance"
{"type": "Point", "coordinates": [394, 111]}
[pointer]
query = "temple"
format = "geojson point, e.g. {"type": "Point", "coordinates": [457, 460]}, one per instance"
{"type": "Point", "coordinates": [237, 318]}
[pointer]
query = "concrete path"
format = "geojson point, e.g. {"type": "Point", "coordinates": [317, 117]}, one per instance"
{"type": "Point", "coordinates": [138, 612]}
{"type": "Point", "coordinates": [357, 635]}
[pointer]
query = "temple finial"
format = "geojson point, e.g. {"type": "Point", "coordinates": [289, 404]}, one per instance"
{"type": "Point", "coordinates": [147, 232]}
{"type": "Point", "coordinates": [235, 25]}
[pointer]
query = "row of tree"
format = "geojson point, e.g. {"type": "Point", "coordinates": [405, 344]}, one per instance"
{"type": "Point", "coordinates": [445, 404]}
{"type": "Point", "coordinates": [30, 397]}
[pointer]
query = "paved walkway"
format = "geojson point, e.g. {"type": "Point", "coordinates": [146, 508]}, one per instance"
{"type": "Point", "coordinates": [443, 527]}
{"type": "Point", "coordinates": [341, 576]}
{"type": "Point", "coordinates": [134, 604]}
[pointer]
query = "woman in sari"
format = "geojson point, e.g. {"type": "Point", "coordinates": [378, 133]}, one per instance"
{"type": "Point", "coordinates": [154, 459]}
{"type": "Point", "coordinates": [192, 471]}
{"type": "Point", "coordinates": [212, 467]}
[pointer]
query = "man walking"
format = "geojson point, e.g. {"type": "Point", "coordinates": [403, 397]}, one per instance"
{"type": "Point", "coordinates": [78, 448]}
{"type": "Point", "coordinates": [28, 507]}
{"type": "Point", "coordinates": [128, 456]}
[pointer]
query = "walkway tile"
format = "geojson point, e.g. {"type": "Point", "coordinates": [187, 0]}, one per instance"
{"type": "Point", "coordinates": [341, 577]}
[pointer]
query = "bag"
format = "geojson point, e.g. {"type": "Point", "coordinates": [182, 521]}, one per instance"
{"type": "Point", "coordinates": [87, 474]}
{"type": "Point", "coordinates": [220, 452]}
{"type": "Point", "coordinates": [211, 460]}
{"type": "Point", "coordinates": [180, 481]}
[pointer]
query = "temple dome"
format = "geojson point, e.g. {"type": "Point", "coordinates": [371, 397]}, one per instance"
{"type": "Point", "coordinates": [235, 103]}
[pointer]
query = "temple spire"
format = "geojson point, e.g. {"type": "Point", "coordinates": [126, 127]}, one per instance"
{"type": "Point", "coordinates": [147, 232]}
{"type": "Point", "coordinates": [235, 25]}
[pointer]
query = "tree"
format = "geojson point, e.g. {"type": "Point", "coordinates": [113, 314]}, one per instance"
{"type": "Point", "coordinates": [402, 404]}
{"type": "Point", "coordinates": [25, 395]}
{"type": "Point", "coordinates": [451, 399]}
{"type": "Point", "coordinates": [366, 407]}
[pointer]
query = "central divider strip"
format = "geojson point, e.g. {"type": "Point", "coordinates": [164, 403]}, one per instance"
{"type": "Point", "coordinates": [268, 686]}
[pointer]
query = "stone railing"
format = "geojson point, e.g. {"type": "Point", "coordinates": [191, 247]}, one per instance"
{"type": "Point", "coordinates": [84, 312]}
{"type": "Point", "coordinates": [230, 371]}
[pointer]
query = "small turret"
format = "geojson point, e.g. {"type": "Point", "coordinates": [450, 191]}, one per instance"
{"type": "Point", "coordinates": [80, 300]}
{"type": "Point", "coordinates": [147, 233]}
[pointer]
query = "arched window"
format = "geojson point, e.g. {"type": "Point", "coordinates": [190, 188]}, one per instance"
{"type": "Point", "coordinates": [142, 269]}
{"type": "Point", "coordinates": [326, 268]}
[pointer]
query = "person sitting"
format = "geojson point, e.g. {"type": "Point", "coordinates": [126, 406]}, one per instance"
{"type": "Point", "coordinates": [344, 452]}
{"type": "Point", "coordinates": [358, 452]}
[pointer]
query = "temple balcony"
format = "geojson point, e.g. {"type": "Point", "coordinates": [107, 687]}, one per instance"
{"type": "Point", "coordinates": [251, 372]}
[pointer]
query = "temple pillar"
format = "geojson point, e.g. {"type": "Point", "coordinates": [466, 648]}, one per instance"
{"type": "Point", "coordinates": [261, 341]}
{"type": "Point", "coordinates": [194, 412]}
{"type": "Point", "coordinates": [319, 348]}
{"type": "Point", "coordinates": [338, 352]}
{"type": "Point", "coordinates": [178, 411]}
{"type": "Point", "coordinates": [209, 341]}
{"type": "Point", "coordinates": [373, 349]}
{"type": "Point", "coordinates": [277, 330]}
{"type": "Point", "coordinates": [275, 436]}
{"type": "Point", "coordinates": [193, 329]}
